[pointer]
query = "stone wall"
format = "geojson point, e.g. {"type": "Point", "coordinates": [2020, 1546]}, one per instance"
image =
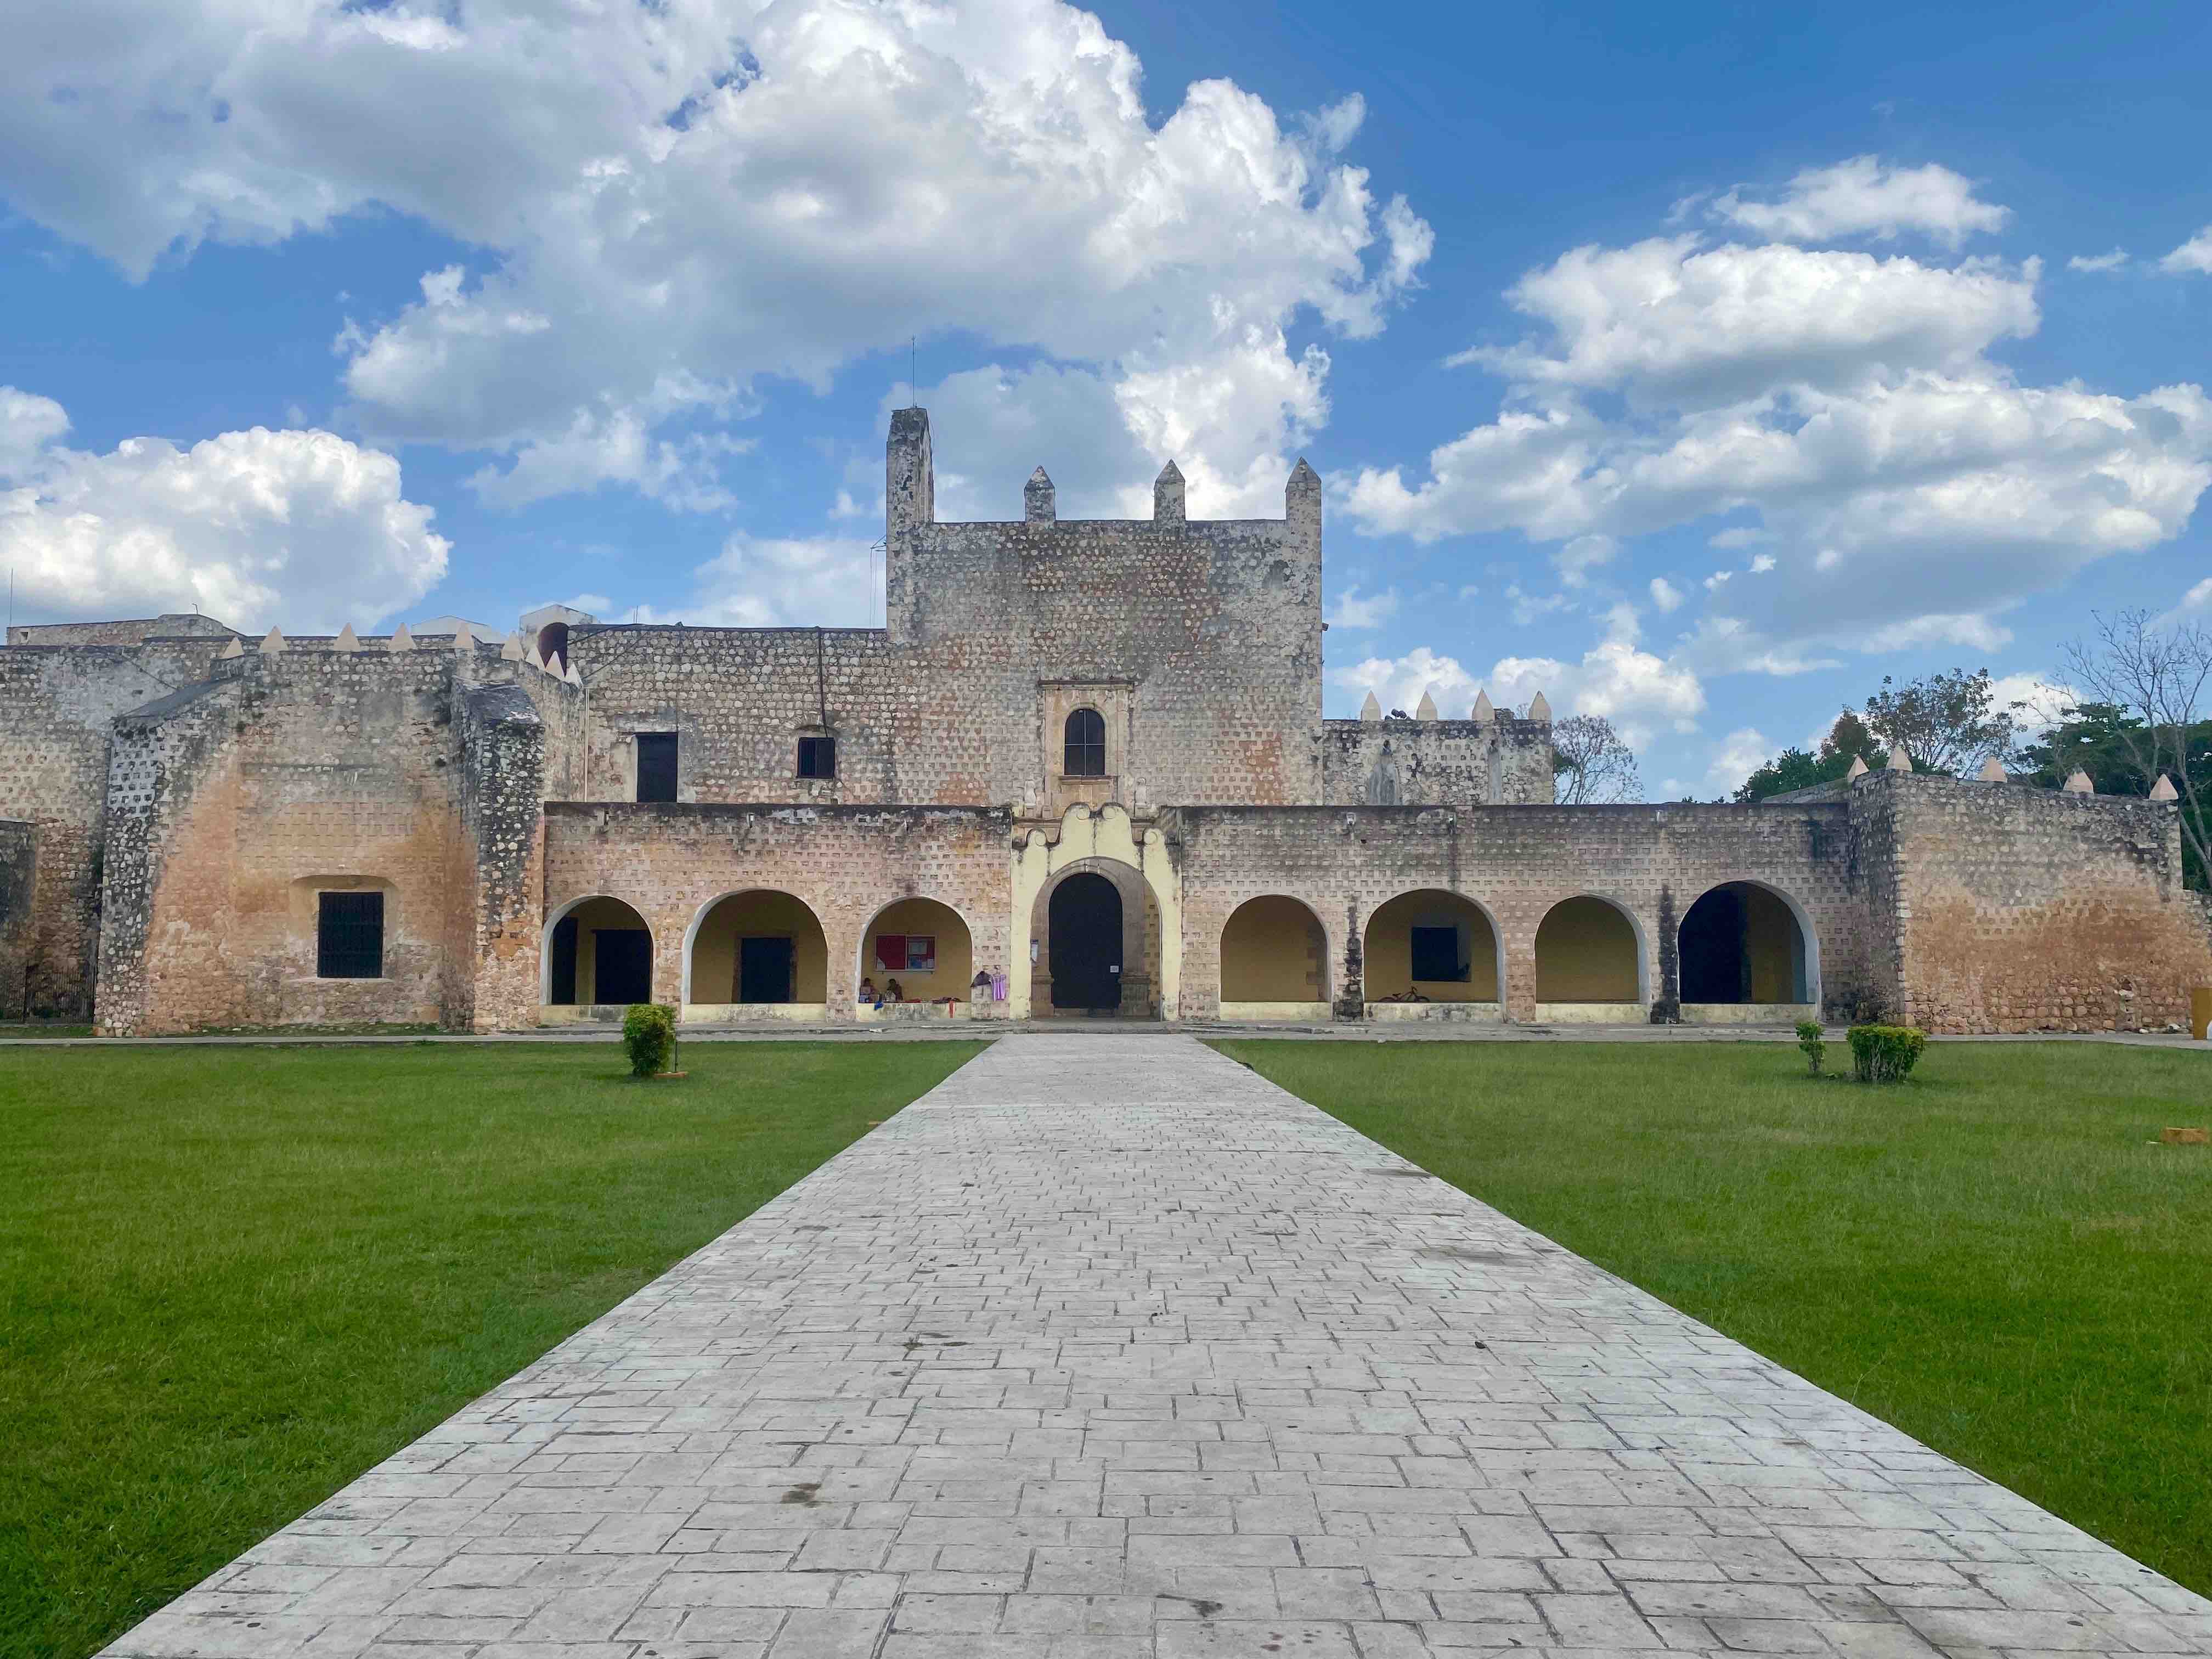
{"type": "Point", "coordinates": [1516, 863]}
{"type": "Point", "coordinates": [19, 866]}
{"type": "Point", "coordinates": [1388, 763]}
{"type": "Point", "coordinates": [671, 862]}
{"type": "Point", "coordinates": [56, 703]}
{"type": "Point", "coordinates": [238, 800]}
{"type": "Point", "coordinates": [2003, 907]}
{"type": "Point", "coordinates": [1198, 640]}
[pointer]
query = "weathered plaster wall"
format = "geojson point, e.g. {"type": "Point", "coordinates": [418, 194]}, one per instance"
{"type": "Point", "coordinates": [1516, 863]}
{"type": "Point", "coordinates": [57, 704]}
{"type": "Point", "coordinates": [845, 863]}
{"type": "Point", "coordinates": [19, 866]}
{"type": "Point", "coordinates": [239, 799]}
{"type": "Point", "coordinates": [2003, 907]}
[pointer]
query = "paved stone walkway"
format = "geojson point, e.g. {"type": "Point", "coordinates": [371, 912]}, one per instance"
{"type": "Point", "coordinates": [1107, 1348]}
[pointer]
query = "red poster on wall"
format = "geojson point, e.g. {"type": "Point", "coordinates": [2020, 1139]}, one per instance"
{"type": "Point", "coordinates": [891, 952]}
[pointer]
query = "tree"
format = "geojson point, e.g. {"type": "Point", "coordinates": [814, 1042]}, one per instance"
{"type": "Point", "coordinates": [1944, 723]}
{"type": "Point", "coordinates": [2146, 684]}
{"type": "Point", "coordinates": [1589, 762]}
{"type": "Point", "coordinates": [1847, 739]}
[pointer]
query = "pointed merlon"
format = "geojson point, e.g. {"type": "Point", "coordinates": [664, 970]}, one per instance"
{"type": "Point", "coordinates": [1426, 708]}
{"type": "Point", "coordinates": [1038, 499]}
{"type": "Point", "coordinates": [2079, 784]}
{"type": "Point", "coordinates": [401, 640]}
{"type": "Point", "coordinates": [531, 659]}
{"type": "Point", "coordinates": [1482, 710]}
{"type": "Point", "coordinates": [2164, 789]}
{"type": "Point", "coordinates": [1858, 769]}
{"type": "Point", "coordinates": [1371, 710]}
{"type": "Point", "coordinates": [512, 651]}
{"type": "Point", "coordinates": [1992, 770]}
{"type": "Point", "coordinates": [570, 675]}
{"type": "Point", "coordinates": [347, 641]}
{"type": "Point", "coordinates": [1538, 708]}
{"type": "Point", "coordinates": [1899, 761]}
{"type": "Point", "coordinates": [464, 639]}
{"type": "Point", "coordinates": [271, 643]}
{"type": "Point", "coordinates": [235, 648]}
{"type": "Point", "coordinates": [556, 666]}
{"type": "Point", "coordinates": [1167, 495]}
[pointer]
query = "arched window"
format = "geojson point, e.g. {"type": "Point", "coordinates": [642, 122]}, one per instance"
{"type": "Point", "coordinates": [1086, 745]}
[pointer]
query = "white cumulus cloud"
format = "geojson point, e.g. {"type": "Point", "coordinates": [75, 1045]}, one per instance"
{"type": "Point", "coordinates": [1868, 196]}
{"type": "Point", "coordinates": [670, 207]}
{"type": "Point", "coordinates": [2193, 255]}
{"type": "Point", "coordinates": [2095, 263]}
{"type": "Point", "coordinates": [1743, 752]}
{"type": "Point", "coordinates": [1356, 609]}
{"type": "Point", "coordinates": [301, 529]}
{"type": "Point", "coordinates": [1639, 692]}
{"type": "Point", "coordinates": [1843, 413]}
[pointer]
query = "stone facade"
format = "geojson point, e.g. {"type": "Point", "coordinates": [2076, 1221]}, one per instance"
{"type": "Point", "coordinates": [1081, 769]}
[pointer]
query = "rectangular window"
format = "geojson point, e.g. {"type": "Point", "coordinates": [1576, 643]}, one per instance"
{"type": "Point", "coordinates": [656, 766]}
{"type": "Point", "coordinates": [817, 757]}
{"type": "Point", "coordinates": [1436, 955]}
{"type": "Point", "coordinates": [350, 936]}
{"type": "Point", "coordinates": [906, 953]}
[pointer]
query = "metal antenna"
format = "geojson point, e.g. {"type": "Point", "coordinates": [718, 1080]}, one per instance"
{"type": "Point", "coordinates": [913, 372]}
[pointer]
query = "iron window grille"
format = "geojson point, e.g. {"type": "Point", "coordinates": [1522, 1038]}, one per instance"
{"type": "Point", "coordinates": [350, 936]}
{"type": "Point", "coordinates": [1085, 755]}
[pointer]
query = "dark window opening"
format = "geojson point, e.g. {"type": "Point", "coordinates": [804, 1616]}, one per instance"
{"type": "Point", "coordinates": [1086, 745]}
{"type": "Point", "coordinates": [553, 642]}
{"type": "Point", "coordinates": [817, 757]}
{"type": "Point", "coordinates": [350, 936]}
{"type": "Point", "coordinates": [1436, 955]}
{"type": "Point", "coordinates": [656, 766]}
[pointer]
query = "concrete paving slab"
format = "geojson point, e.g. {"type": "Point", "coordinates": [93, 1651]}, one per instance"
{"type": "Point", "coordinates": [1108, 1349]}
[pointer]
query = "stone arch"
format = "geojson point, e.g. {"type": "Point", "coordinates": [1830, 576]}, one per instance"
{"type": "Point", "coordinates": [1274, 960]}
{"type": "Point", "coordinates": [1592, 961]}
{"type": "Point", "coordinates": [569, 965]}
{"type": "Point", "coordinates": [1140, 935]}
{"type": "Point", "coordinates": [1747, 949]}
{"type": "Point", "coordinates": [1478, 965]}
{"type": "Point", "coordinates": [1136, 859]}
{"type": "Point", "coordinates": [719, 968]}
{"type": "Point", "coordinates": [916, 914]}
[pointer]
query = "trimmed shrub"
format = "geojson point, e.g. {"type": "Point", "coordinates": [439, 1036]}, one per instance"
{"type": "Point", "coordinates": [1808, 1040]}
{"type": "Point", "coordinates": [649, 1037]}
{"type": "Point", "coordinates": [1885, 1053]}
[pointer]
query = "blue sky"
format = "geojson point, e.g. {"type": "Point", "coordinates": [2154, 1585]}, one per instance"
{"type": "Point", "coordinates": [1698, 366]}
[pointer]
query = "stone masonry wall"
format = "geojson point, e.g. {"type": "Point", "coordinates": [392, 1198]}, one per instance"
{"type": "Point", "coordinates": [1517, 862]}
{"type": "Point", "coordinates": [2010, 908]}
{"type": "Point", "coordinates": [1205, 635]}
{"type": "Point", "coordinates": [419, 775]}
{"type": "Point", "coordinates": [19, 865]}
{"type": "Point", "coordinates": [57, 704]}
{"type": "Point", "coordinates": [1503, 761]}
{"type": "Point", "coordinates": [847, 863]}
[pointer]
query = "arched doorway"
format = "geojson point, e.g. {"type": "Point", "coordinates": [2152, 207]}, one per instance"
{"type": "Point", "coordinates": [598, 953]}
{"type": "Point", "coordinates": [1084, 937]}
{"type": "Point", "coordinates": [1274, 960]}
{"type": "Point", "coordinates": [1746, 955]}
{"type": "Point", "coordinates": [924, 946]}
{"type": "Point", "coordinates": [1590, 963]}
{"type": "Point", "coordinates": [1430, 953]}
{"type": "Point", "coordinates": [757, 953]}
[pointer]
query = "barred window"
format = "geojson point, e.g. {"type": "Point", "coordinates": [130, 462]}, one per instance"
{"type": "Point", "coordinates": [350, 936]}
{"type": "Point", "coordinates": [1086, 745]}
{"type": "Point", "coordinates": [817, 757]}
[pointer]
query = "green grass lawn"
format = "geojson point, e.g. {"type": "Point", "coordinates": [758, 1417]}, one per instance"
{"type": "Point", "coordinates": [1989, 1256]}
{"type": "Point", "coordinates": [231, 1279]}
